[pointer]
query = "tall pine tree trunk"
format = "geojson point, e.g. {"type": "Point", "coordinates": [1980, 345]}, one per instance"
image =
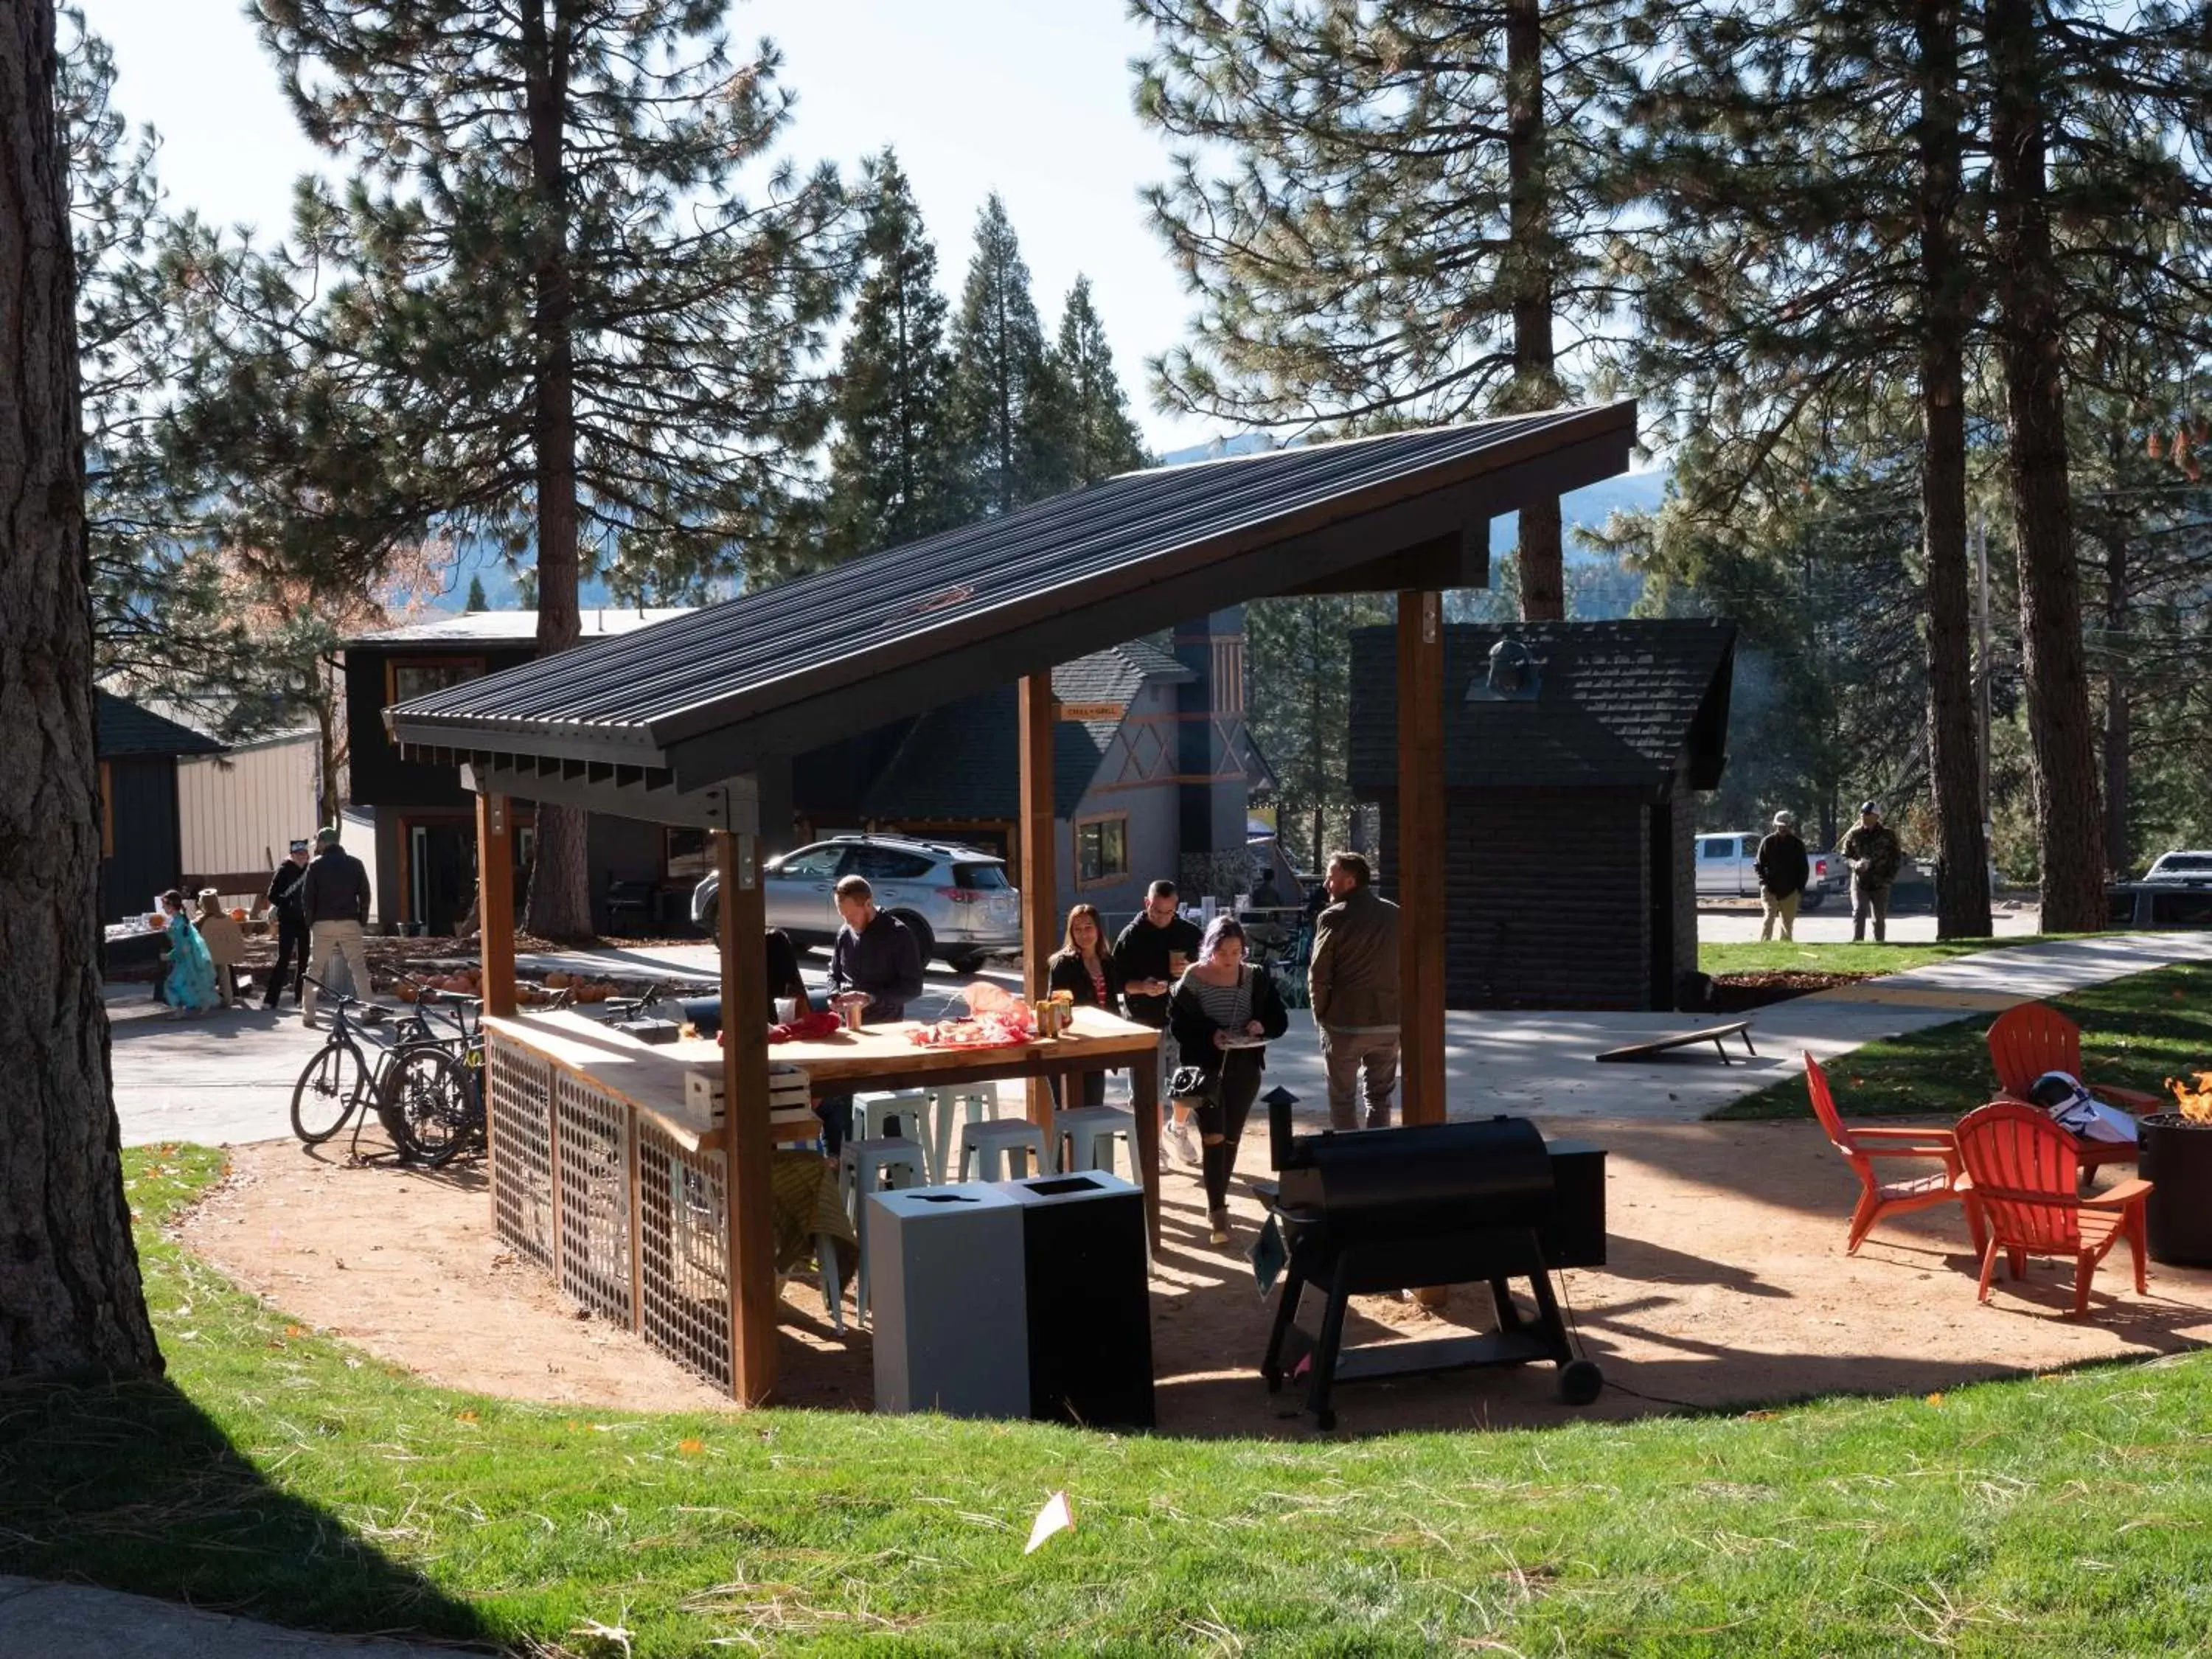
{"type": "Point", "coordinates": [1962, 908]}
{"type": "Point", "coordinates": [2119, 726]}
{"type": "Point", "coordinates": [2031, 347]}
{"type": "Point", "coordinates": [559, 905]}
{"type": "Point", "coordinates": [70, 1301]}
{"type": "Point", "coordinates": [1542, 560]}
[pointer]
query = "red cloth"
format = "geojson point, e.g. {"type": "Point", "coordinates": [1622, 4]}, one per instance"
{"type": "Point", "coordinates": [804, 1028]}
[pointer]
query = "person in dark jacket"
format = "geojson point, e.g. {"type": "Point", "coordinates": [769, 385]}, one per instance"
{"type": "Point", "coordinates": [1084, 968]}
{"type": "Point", "coordinates": [283, 897]}
{"type": "Point", "coordinates": [877, 956]}
{"type": "Point", "coordinates": [1220, 1010]}
{"type": "Point", "coordinates": [1872, 851]}
{"type": "Point", "coordinates": [334, 900]}
{"type": "Point", "coordinates": [1783, 870]}
{"type": "Point", "coordinates": [785, 983]}
{"type": "Point", "coordinates": [1351, 985]}
{"type": "Point", "coordinates": [1153, 951]}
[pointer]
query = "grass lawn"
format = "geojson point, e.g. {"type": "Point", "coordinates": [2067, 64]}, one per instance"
{"type": "Point", "coordinates": [283, 1474]}
{"type": "Point", "coordinates": [2136, 1032]}
{"type": "Point", "coordinates": [1751, 956]}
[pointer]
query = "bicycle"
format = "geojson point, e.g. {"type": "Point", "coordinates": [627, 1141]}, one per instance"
{"type": "Point", "coordinates": [432, 1100]}
{"type": "Point", "coordinates": [338, 1081]}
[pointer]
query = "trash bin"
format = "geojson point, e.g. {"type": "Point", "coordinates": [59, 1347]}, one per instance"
{"type": "Point", "coordinates": [946, 1281]}
{"type": "Point", "coordinates": [1089, 1295]}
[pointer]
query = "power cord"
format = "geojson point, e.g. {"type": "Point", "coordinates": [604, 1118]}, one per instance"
{"type": "Point", "coordinates": [1574, 1324]}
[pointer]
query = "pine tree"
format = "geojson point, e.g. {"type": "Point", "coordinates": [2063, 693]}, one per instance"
{"type": "Point", "coordinates": [70, 1281]}
{"type": "Point", "coordinates": [1004, 390]}
{"type": "Point", "coordinates": [1406, 217]}
{"type": "Point", "coordinates": [894, 463]}
{"type": "Point", "coordinates": [476, 600]}
{"type": "Point", "coordinates": [1094, 437]}
{"type": "Point", "coordinates": [553, 319]}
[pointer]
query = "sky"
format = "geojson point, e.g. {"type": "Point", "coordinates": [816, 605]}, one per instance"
{"type": "Point", "coordinates": [1030, 98]}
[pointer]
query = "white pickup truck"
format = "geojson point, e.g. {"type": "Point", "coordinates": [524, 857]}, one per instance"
{"type": "Point", "coordinates": [1724, 861]}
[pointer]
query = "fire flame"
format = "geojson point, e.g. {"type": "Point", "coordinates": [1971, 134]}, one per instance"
{"type": "Point", "coordinates": [2195, 1103]}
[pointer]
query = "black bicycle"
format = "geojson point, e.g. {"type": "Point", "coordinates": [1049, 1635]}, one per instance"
{"type": "Point", "coordinates": [341, 1081]}
{"type": "Point", "coordinates": [432, 1099]}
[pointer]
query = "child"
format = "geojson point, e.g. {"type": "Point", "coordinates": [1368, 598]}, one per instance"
{"type": "Point", "coordinates": [190, 988]}
{"type": "Point", "coordinates": [225, 945]}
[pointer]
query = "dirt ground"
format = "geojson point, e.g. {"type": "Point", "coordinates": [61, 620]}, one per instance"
{"type": "Point", "coordinates": [1727, 1285]}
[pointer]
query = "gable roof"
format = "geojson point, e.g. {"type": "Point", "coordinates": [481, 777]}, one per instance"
{"type": "Point", "coordinates": [693, 702]}
{"type": "Point", "coordinates": [511, 626]}
{"type": "Point", "coordinates": [123, 728]}
{"type": "Point", "coordinates": [1622, 704]}
{"type": "Point", "coordinates": [960, 761]}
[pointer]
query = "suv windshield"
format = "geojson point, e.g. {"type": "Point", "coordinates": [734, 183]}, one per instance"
{"type": "Point", "coordinates": [2177, 864]}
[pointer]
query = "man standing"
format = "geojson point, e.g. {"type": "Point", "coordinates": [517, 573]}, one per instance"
{"type": "Point", "coordinates": [1783, 868]}
{"type": "Point", "coordinates": [283, 897]}
{"type": "Point", "coordinates": [334, 902]}
{"type": "Point", "coordinates": [1874, 855]}
{"type": "Point", "coordinates": [1353, 986]}
{"type": "Point", "coordinates": [879, 955]}
{"type": "Point", "coordinates": [1151, 953]}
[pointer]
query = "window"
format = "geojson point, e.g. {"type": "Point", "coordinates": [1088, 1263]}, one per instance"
{"type": "Point", "coordinates": [980, 877]}
{"type": "Point", "coordinates": [685, 854]}
{"type": "Point", "coordinates": [888, 864]}
{"type": "Point", "coordinates": [405, 681]}
{"type": "Point", "coordinates": [1716, 847]}
{"type": "Point", "coordinates": [1751, 846]}
{"type": "Point", "coordinates": [1102, 851]}
{"type": "Point", "coordinates": [811, 864]}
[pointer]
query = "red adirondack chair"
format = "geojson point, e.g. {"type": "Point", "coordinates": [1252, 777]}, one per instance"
{"type": "Point", "coordinates": [2022, 1169]}
{"type": "Point", "coordinates": [2027, 1041]}
{"type": "Point", "coordinates": [1878, 1197]}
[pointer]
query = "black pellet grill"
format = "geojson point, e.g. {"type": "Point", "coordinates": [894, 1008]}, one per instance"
{"type": "Point", "coordinates": [1482, 1202]}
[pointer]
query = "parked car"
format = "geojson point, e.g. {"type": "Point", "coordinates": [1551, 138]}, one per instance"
{"type": "Point", "coordinates": [1725, 869]}
{"type": "Point", "coordinates": [957, 899]}
{"type": "Point", "coordinates": [2194, 868]}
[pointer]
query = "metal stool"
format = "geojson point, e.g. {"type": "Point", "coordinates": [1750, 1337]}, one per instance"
{"type": "Point", "coordinates": [1087, 1133]}
{"type": "Point", "coordinates": [988, 1144]}
{"type": "Point", "coordinates": [941, 1104]}
{"type": "Point", "coordinates": [864, 1167]}
{"type": "Point", "coordinates": [871, 1113]}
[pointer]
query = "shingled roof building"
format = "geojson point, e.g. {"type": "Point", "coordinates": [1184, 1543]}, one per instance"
{"type": "Point", "coordinates": [141, 843]}
{"type": "Point", "coordinates": [1573, 752]}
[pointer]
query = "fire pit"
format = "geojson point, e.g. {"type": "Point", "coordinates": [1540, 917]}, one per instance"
{"type": "Point", "coordinates": [2177, 1158]}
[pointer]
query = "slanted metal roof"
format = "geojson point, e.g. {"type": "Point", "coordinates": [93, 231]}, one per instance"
{"type": "Point", "coordinates": [694, 701]}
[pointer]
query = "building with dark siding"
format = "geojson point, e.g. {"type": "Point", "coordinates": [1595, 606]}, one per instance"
{"type": "Point", "coordinates": [1569, 800]}
{"type": "Point", "coordinates": [141, 837]}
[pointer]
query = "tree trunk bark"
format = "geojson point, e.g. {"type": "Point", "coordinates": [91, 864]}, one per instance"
{"type": "Point", "coordinates": [2031, 346]}
{"type": "Point", "coordinates": [70, 1300]}
{"type": "Point", "coordinates": [2118, 726]}
{"type": "Point", "coordinates": [559, 906]}
{"type": "Point", "coordinates": [1536, 384]}
{"type": "Point", "coordinates": [1962, 907]}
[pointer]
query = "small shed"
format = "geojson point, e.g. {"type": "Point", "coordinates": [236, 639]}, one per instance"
{"type": "Point", "coordinates": [141, 837]}
{"type": "Point", "coordinates": [1570, 770]}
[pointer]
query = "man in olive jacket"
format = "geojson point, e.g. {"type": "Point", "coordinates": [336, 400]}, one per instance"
{"type": "Point", "coordinates": [1353, 982]}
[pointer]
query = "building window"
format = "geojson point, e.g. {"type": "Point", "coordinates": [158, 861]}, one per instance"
{"type": "Point", "coordinates": [686, 854]}
{"type": "Point", "coordinates": [1102, 851]}
{"type": "Point", "coordinates": [404, 680]}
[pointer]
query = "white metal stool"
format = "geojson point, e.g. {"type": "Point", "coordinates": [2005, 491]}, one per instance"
{"type": "Point", "coordinates": [871, 1113]}
{"type": "Point", "coordinates": [942, 1104]}
{"type": "Point", "coordinates": [1087, 1135]}
{"type": "Point", "coordinates": [988, 1144]}
{"type": "Point", "coordinates": [867, 1166]}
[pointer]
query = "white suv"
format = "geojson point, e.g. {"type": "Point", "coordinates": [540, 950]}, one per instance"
{"type": "Point", "coordinates": [1724, 870]}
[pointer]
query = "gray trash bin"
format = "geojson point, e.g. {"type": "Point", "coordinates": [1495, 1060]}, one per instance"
{"type": "Point", "coordinates": [945, 1277]}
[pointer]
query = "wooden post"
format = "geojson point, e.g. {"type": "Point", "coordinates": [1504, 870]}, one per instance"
{"type": "Point", "coordinates": [747, 1149]}
{"type": "Point", "coordinates": [1040, 873]}
{"type": "Point", "coordinates": [496, 902]}
{"type": "Point", "coordinates": [1420, 853]}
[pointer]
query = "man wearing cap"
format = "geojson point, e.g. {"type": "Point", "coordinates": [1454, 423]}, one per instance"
{"type": "Point", "coordinates": [283, 896]}
{"type": "Point", "coordinates": [334, 899]}
{"type": "Point", "coordinates": [1874, 855]}
{"type": "Point", "coordinates": [1782, 867]}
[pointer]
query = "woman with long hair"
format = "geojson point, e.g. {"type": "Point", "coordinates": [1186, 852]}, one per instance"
{"type": "Point", "coordinates": [1223, 1013]}
{"type": "Point", "coordinates": [1084, 968]}
{"type": "Point", "coordinates": [190, 988]}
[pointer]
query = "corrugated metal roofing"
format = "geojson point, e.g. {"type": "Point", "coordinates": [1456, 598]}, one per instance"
{"type": "Point", "coordinates": [627, 700]}
{"type": "Point", "coordinates": [513, 627]}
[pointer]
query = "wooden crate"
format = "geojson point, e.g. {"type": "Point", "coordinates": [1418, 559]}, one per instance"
{"type": "Point", "coordinates": [789, 1098]}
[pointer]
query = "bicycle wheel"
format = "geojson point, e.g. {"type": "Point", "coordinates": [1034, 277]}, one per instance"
{"type": "Point", "coordinates": [324, 1098]}
{"type": "Point", "coordinates": [429, 1101]}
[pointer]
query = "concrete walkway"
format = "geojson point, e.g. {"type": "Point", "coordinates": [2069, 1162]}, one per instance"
{"type": "Point", "coordinates": [38, 1621]}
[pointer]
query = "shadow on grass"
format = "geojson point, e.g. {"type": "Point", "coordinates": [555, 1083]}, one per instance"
{"type": "Point", "coordinates": [131, 1486]}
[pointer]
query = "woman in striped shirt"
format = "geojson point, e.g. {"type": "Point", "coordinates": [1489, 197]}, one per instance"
{"type": "Point", "coordinates": [1221, 1011]}
{"type": "Point", "coordinates": [1084, 968]}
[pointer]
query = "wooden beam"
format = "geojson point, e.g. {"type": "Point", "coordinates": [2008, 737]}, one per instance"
{"type": "Point", "coordinates": [747, 1149]}
{"type": "Point", "coordinates": [1420, 852]}
{"type": "Point", "coordinates": [1040, 876]}
{"type": "Point", "coordinates": [496, 902]}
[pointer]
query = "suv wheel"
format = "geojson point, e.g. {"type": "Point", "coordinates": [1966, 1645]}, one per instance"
{"type": "Point", "coordinates": [965, 962]}
{"type": "Point", "coordinates": [1812, 899]}
{"type": "Point", "coordinates": [922, 935]}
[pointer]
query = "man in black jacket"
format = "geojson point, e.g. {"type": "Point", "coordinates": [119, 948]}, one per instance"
{"type": "Point", "coordinates": [334, 900]}
{"type": "Point", "coordinates": [1151, 954]}
{"type": "Point", "coordinates": [1782, 868]}
{"type": "Point", "coordinates": [876, 954]}
{"type": "Point", "coordinates": [283, 897]}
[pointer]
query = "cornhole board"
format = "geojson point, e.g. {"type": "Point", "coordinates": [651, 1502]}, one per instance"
{"type": "Point", "coordinates": [1716, 1035]}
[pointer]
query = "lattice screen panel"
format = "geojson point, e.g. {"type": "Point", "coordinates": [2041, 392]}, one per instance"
{"type": "Point", "coordinates": [520, 1084]}
{"type": "Point", "coordinates": [684, 1233]}
{"type": "Point", "coordinates": [591, 1156]}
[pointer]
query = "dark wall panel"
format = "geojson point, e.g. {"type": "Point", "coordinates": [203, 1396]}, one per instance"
{"type": "Point", "coordinates": [149, 855]}
{"type": "Point", "coordinates": [379, 777]}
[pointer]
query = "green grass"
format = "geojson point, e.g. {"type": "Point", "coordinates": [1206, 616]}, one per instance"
{"type": "Point", "coordinates": [2136, 1033]}
{"type": "Point", "coordinates": [280, 1473]}
{"type": "Point", "coordinates": [1751, 956]}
